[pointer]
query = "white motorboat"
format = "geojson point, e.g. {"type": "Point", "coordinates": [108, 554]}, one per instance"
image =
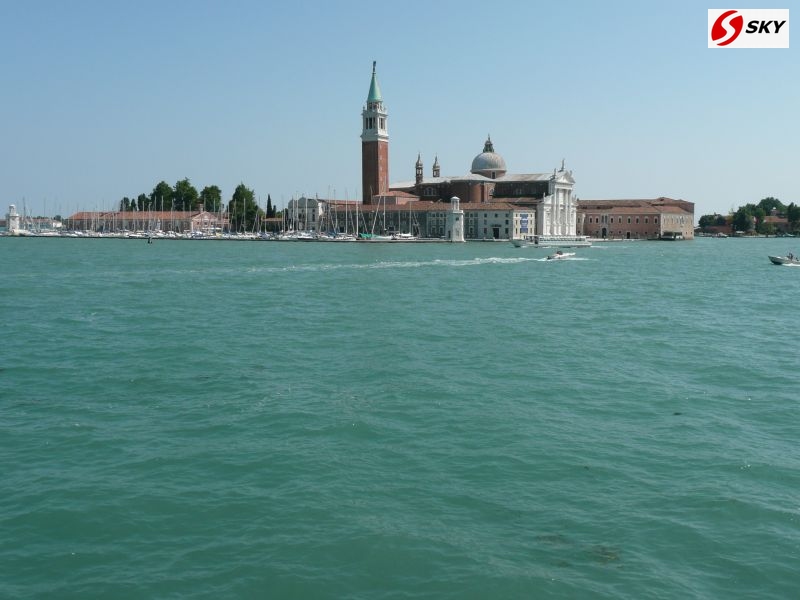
{"type": "Point", "coordinates": [789, 259]}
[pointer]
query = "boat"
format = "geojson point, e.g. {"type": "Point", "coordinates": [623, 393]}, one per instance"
{"type": "Point", "coordinates": [552, 241]}
{"type": "Point", "coordinates": [344, 237]}
{"type": "Point", "coordinates": [789, 259]}
{"type": "Point", "coordinates": [559, 255]}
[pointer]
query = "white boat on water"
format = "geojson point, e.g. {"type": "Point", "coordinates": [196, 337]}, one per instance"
{"type": "Point", "coordinates": [559, 255]}
{"type": "Point", "coordinates": [789, 259]}
{"type": "Point", "coordinates": [552, 241]}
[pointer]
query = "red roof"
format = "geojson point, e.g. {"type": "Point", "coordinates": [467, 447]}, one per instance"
{"type": "Point", "coordinates": [134, 214]}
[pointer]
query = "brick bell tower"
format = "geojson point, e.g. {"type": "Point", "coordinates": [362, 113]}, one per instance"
{"type": "Point", "coordinates": [374, 144]}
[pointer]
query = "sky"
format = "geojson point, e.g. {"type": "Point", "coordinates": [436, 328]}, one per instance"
{"type": "Point", "coordinates": [104, 99]}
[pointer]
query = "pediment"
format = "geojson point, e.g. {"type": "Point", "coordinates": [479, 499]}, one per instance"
{"type": "Point", "coordinates": [563, 177]}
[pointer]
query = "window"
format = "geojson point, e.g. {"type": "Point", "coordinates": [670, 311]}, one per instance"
{"type": "Point", "coordinates": [637, 219]}
{"type": "Point", "coordinates": [645, 220]}
{"type": "Point", "coordinates": [655, 220]}
{"type": "Point", "coordinates": [629, 220]}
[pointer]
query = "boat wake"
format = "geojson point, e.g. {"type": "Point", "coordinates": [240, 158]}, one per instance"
{"type": "Point", "coordinates": [474, 262]}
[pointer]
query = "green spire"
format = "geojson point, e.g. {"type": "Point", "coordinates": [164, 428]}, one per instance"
{"type": "Point", "coordinates": [374, 89]}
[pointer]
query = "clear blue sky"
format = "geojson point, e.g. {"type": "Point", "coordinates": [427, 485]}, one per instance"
{"type": "Point", "coordinates": [102, 99]}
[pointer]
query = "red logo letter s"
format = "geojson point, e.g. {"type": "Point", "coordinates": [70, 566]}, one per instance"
{"type": "Point", "coordinates": [719, 31]}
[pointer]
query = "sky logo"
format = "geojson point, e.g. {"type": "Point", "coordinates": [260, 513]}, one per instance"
{"type": "Point", "coordinates": [748, 28]}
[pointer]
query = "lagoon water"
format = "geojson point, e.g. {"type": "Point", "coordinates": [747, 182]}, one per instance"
{"type": "Point", "coordinates": [289, 420]}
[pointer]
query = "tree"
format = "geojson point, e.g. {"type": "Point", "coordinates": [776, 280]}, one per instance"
{"type": "Point", "coordinates": [243, 209]}
{"type": "Point", "coordinates": [770, 203]}
{"type": "Point", "coordinates": [793, 215]}
{"type": "Point", "coordinates": [742, 220]}
{"type": "Point", "coordinates": [211, 197]}
{"type": "Point", "coordinates": [706, 220]}
{"type": "Point", "coordinates": [161, 198]}
{"type": "Point", "coordinates": [141, 202]}
{"type": "Point", "coordinates": [184, 195]}
{"type": "Point", "coordinates": [270, 208]}
{"type": "Point", "coordinates": [125, 204]}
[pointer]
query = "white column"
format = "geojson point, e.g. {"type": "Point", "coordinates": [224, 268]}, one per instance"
{"type": "Point", "coordinates": [559, 195]}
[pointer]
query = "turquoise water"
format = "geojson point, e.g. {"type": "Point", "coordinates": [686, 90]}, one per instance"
{"type": "Point", "coordinates": [289, 420]}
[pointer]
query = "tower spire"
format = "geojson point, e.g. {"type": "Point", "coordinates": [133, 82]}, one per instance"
{"type": "Point", "coordinates": [374, 89]}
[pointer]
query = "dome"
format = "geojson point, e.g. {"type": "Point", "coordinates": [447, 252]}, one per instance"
{"type": "Point", "coordinates": [488, 163]}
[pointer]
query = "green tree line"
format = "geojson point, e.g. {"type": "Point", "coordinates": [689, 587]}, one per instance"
{"type": "Point", "coordinates": [750, 217]}
{"type": "Point", "coordinates": [242, 207]}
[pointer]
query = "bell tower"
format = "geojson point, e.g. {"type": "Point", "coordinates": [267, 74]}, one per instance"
{"type": "Point", "coordinates": [374, 144]}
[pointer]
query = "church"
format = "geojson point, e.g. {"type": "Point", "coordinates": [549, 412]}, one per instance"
{"type": "Point", "coordinates": [496, 204]}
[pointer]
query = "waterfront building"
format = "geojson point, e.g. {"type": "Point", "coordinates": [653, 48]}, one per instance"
{"type": "Point", "coordinates": [777, 224]}
{"type": "Point", "coordinates": [199, 221]}
{"type": "Point", "coordinates": [643, 219]}
{"type": "Point", "coordinates": [305, 214]}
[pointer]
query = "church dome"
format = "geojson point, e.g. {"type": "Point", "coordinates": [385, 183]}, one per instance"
{"type": "Point", "coordinates": [488, 163]}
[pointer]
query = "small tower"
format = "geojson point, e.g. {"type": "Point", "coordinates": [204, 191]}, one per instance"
{"type": "Point", "coordinates": [12, 220]}
{"type": "Point", "coordinates": [374, 144]}
{"type": "Point", "coordinates": [455, 221]}
{"type": "Point", "coordinates": [436, 169]}
{"type": "Point", "coordinates": [418, 175]}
